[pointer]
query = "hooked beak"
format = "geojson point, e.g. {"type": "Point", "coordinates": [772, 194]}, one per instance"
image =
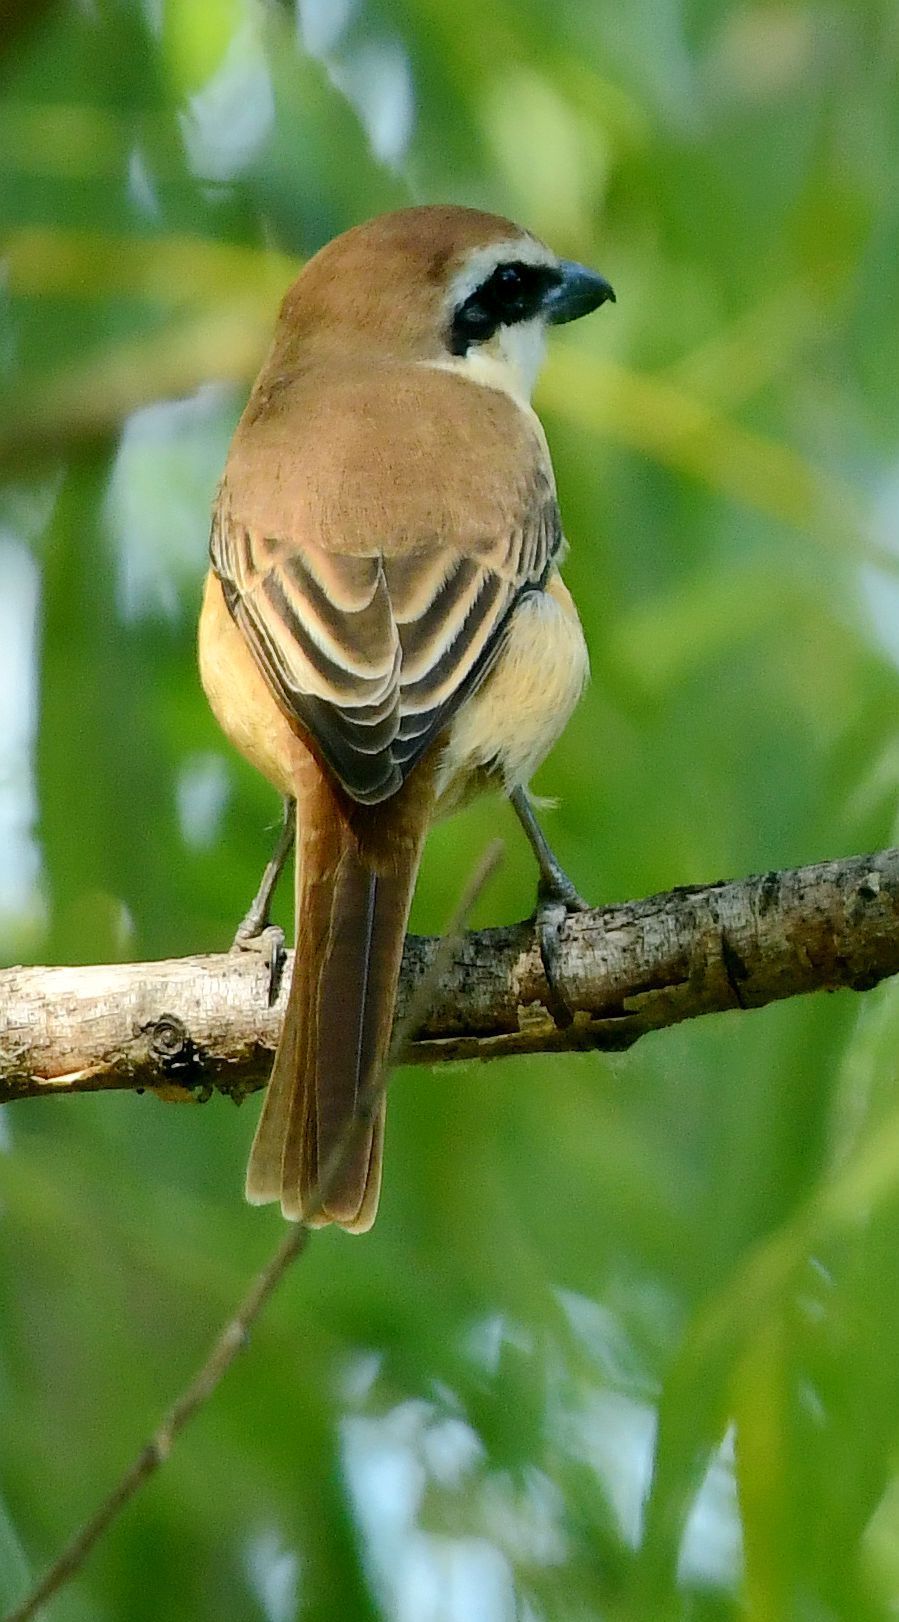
{"type": "Point", "coordinates": [577, 293]}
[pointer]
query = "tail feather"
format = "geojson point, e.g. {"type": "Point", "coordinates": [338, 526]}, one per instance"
{"type": "Point", "coordinates": [339, 1054]}
{"type": "Point", "coordinates": [356, 870]}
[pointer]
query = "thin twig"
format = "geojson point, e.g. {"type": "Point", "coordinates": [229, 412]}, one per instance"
{"type": "Point", "coordinates": [235, 1335]}
{"type": "Point", "coordinates": [232, 1340]}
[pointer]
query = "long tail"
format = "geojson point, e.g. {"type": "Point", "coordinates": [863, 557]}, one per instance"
{"type": "Point", "coordinates": [356, 871]}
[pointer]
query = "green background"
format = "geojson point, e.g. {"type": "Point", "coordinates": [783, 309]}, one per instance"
{"type": "Point", "coordinates": [623, 1343]}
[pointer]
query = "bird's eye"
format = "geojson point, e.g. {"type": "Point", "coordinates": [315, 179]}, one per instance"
{"type": "Point", "coordinates": [509, 279]}
{"type": "Point", "coordinates": [512, 292]}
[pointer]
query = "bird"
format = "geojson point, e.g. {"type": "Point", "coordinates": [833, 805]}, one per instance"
{"type": "Point", "coordinates": [385, 632]}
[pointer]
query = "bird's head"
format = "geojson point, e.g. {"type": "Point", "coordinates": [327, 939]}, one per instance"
{"type": "Point", "coordinates": [438, 285]}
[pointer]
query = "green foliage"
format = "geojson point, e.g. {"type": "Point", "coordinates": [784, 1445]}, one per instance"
{"type": "Point", "coordinates": [622, 1344]}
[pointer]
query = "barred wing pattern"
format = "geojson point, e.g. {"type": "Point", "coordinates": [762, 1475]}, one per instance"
{"type": "Point", "coordinates": [372, 655]}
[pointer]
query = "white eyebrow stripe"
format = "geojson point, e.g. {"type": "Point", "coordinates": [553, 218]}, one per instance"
{"type": "Point", "coordinates": [483, 262]}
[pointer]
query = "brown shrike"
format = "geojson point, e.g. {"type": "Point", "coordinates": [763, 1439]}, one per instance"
{"type": "Point", "coordinates": [385, 632]}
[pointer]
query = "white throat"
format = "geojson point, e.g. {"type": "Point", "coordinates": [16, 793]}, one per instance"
{"type": "Point", "coordinates": [512, 358]}
{"type": "Point", "coordinates": [510, 361]}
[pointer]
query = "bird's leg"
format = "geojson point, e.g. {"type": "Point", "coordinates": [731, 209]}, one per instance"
{"type": "Point", "coordinates": [556, 898]}
{"type": "Point", "coordinates": [254, 932]}
{"type": "Point", "coordinates": [555, 887]}
{"type": "Point", "coordinates": [256, 918]}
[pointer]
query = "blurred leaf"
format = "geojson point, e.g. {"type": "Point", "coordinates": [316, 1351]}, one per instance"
{"type": "Point", "coordinates": [14, 1573]}
{"type": "Point", "coordinates": [623, 1341]}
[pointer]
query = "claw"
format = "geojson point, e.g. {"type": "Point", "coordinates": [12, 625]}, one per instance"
{"type": "Point", "coordinates": [269, 943]}
{"type": "Point", "coordinates": [549, 922]}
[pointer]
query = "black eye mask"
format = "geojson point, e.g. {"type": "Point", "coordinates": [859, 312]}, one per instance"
{"type": "Point", "coordinates": [512, 292]}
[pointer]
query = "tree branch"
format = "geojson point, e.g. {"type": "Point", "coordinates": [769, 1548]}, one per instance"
{"type": "Point", "coordinates": [187, 1026]}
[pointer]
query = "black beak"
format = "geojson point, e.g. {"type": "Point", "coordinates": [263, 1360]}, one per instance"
{"type": "Point", "coordinates": [578, 291]}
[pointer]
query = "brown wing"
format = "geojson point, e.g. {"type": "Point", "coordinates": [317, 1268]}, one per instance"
{"type": "Point", "coordinates": [373, 653]}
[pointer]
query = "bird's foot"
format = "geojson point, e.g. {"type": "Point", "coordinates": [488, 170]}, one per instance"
{"type": "Point", "coordinates": [557, 898]}
{"type": "Point", "coordinates": [558, 891]}
{"type": "Point", "coordinates": [255, 935]}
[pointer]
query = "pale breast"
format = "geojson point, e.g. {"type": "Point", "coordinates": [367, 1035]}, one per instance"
{"type": "Point", "coordinates": [240, 699]}
{"type": "Point", "coordinates": [510, 724]}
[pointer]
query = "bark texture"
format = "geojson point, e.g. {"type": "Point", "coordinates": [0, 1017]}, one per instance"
{"type": "Point", "coordinates": [192, 1025]}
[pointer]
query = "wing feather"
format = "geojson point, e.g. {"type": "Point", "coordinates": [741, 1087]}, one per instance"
{"type": "Point", "coordinates": [455, 645]}
{"type": "Point", "coordinates": [373, 653]}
